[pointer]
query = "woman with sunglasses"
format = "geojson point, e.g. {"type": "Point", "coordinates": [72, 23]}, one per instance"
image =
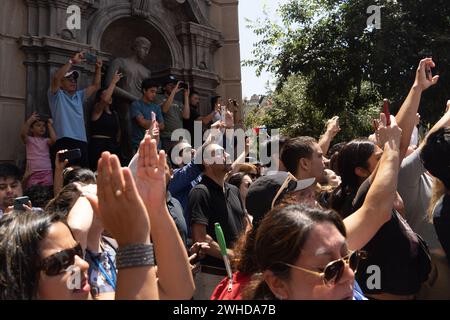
{"type": "Point", "coordinates": [302, 254]}
{"type": "Point", "coordinates": [280, 188]}
{"type": "Point", "coordinates": [42, 260]}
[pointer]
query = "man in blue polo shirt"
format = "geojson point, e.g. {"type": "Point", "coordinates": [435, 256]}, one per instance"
{"type": "Point", "coordinates": [66, 106]}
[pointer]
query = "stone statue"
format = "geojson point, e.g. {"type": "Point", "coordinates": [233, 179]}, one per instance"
{"type": "Point", "coordinates": [129, 88]}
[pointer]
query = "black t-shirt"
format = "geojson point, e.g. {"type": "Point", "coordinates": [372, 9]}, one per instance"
{"type": "Point", "coordinates": [441, 221]}
{"type": "Point", "coordinates": [208, 204]}
{"type": "Point", "coordinates": [401, 255]}
{"type": "Point", "coordinates": [189, 123]}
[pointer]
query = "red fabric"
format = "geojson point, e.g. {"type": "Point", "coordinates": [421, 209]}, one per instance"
{"type": "Point", "coordinates": [240, 280]}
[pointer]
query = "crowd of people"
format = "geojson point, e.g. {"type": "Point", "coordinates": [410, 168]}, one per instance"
{"type": "Point", "coordinates": [357, 220]}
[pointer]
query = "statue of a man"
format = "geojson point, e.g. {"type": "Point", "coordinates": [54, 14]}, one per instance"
{"type": "Point", "coordinates": [129, 88]}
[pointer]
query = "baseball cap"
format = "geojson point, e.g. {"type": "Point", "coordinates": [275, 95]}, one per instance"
{"type": "Point", "coordinates": [264, 192]}
{"type": "Point", "coordinates": [72, 74]}
{"type": "Point", "coordinates": [170, 79]}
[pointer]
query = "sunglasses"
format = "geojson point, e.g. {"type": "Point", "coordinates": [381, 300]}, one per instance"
{"type": "Point", "coordinates": [289, 184]}
{"type": "Point", "coordinates": [58, 263]}
{"type": "Point", "coordinates": [334, 270]}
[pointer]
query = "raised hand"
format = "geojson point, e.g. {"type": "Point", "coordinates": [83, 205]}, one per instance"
{"type": "Point", "coordinates": [388, 134]}
{"type": "Point", "coordinates": [118, 203]}
{"type": "Point", "coordinates": [150, 175]}
{"type": "Point", "coordinates": [34, 117]}
{"type": "Point", "coordinates": [78, 58]}
{"type": "Point", "coordinates": [333, 126]}
{"type": "Point", "coordinates": [117, 76]}
{"type": "Point", "coordinates": [424, 77]}
{"type": "Point", "coordinates": [99, 63]}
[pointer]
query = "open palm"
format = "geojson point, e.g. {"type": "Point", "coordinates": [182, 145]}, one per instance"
{"type": "Point", "coordinates": [150, 175]}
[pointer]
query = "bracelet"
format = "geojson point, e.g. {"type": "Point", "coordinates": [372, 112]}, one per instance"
{"type": "Point", "coordinates": [135, 255]}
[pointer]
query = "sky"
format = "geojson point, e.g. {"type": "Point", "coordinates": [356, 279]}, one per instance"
{"type": "Point", "coordinates": [253, 9]}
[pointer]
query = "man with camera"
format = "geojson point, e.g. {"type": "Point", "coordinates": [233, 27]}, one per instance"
{"type": "Point", "coordinates": [66, 105]}
{"type": "Point", "coordinates": [173, 111]}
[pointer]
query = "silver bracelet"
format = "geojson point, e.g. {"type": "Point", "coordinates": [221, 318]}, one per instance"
{"type": "Point", "coordinates": [135, 255]}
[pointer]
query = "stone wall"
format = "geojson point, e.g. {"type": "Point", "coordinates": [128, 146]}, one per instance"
{"type": "Point", "coordinates": [197, 40]}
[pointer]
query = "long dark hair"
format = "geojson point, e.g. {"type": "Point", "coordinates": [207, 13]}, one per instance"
{"type": "Point", "coordinates": [281, 236]}
{"type": "Point", "coordinates": [354, 154]}
{"type": "Point", "coordinates": [20, 236]}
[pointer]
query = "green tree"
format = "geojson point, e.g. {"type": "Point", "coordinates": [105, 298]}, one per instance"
{"type": "Point", "coordinates": [346, 67]}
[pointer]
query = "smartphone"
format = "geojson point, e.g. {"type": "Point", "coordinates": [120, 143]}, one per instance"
{"type": "Point", "coordinates": [43, 117]}
{"type": "Point", "coordinates": [90, 58]}
{"type": "Point", "coordinates": [19, 202]}
{"type": "Point", "coordinates": [223, 112]}
{"type": "Point", "coordinates": [70, 155]}
{"type": "Point", "coordinates": [153, 116]}
{"type": "Point", "coordinates": [183, 85]}
{"type": "Point", "coordinates": [386, 111]}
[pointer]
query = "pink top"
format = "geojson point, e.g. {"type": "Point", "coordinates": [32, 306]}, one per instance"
{"type": "Point", "coordinates": [38, 154]}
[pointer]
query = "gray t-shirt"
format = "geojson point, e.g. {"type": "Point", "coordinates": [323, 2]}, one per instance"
{"type": "Point", "coordinates": [173, 119]}
{"type": "Point", "coordinates": [415, 188]}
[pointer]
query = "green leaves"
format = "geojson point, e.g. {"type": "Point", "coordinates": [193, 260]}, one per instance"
{"type": "Point", "coordinates": [342, 67]}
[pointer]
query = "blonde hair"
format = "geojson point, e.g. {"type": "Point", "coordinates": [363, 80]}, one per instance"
{"type": "Point", "coordinates": [437, 192]}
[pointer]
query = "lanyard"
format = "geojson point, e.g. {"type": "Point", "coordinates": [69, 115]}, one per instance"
{"type": "Point", "coordinates": [112, 281]}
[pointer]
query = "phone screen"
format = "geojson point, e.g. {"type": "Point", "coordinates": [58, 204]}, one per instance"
{"type": "Point", "coordinates": [19, 202]}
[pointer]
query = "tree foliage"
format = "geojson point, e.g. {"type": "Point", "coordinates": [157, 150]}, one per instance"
{"type": "Point", "coordinates": [345, 67]}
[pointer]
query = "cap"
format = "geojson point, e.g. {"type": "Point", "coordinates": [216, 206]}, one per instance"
{"type": "Point", "coordinates": [263, 191]}
{"type": "Point", "coordinates": [169, 79]}
{"type": "Point", "coordinates": [72, 74]}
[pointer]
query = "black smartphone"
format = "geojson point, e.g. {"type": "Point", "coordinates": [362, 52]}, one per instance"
{"type": "Point", "coordinates": [183, 85]}
{"type": "Point", "coordinates": [90, 58]}
{"type": "Point", "coordinates": [19, 202]}
{"type": "Point", "coordinates": [43, 117]}
{"type": "Point", "coordinates": [70, 155]}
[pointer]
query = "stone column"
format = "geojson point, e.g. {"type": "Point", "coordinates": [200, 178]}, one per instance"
{"type": "Point", "coordinates": [223, 15]}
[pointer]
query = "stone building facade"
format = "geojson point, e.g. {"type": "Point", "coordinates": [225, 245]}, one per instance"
{"type": "Point", "coordinates": [196, 40]}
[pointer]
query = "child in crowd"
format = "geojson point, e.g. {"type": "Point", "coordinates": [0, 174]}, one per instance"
{"type": "Point", "coordinates": [33, 134]}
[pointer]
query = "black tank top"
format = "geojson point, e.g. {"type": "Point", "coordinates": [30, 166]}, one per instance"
{"type": "Point", "coordinates": [106, 125]}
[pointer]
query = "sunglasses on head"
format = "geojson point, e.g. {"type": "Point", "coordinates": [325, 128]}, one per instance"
{"type": "Point", "coordinates": [334, 270]}
{"type": "Point", "coordinates": [288, 185]}
{"type": "Point", "coordinates": [59, 262]}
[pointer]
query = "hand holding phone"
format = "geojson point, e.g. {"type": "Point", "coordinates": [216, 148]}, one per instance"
{"type": "Point", "coordinates": [386, 112]}
{"type": "Point", "coordinates": [90, 58]}
{"type": "Point", "coordinates": [20, 202]}
{"type": "Point", "coordinates": [70, 155]}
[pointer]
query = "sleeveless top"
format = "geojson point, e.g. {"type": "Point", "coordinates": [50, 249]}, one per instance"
{"type": "Point", "coordinates": [106, 125]}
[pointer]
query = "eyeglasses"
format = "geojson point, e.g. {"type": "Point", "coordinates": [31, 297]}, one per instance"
{"type": "Point", "coordinates": [289, 184]}
{"type": "Point", "coordinates": [58, 263]}
{"type": "Point", "coordinates": [334, 270]}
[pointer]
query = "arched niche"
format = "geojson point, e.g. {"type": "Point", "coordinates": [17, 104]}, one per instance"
{"type": "Point", "coordinates": [100, 23]}
{"type": "Point", "coordinates": [118, 38]}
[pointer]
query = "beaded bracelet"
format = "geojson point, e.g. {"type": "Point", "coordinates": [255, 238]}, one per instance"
{"type": "Point", "coordinates": [135, 255]}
